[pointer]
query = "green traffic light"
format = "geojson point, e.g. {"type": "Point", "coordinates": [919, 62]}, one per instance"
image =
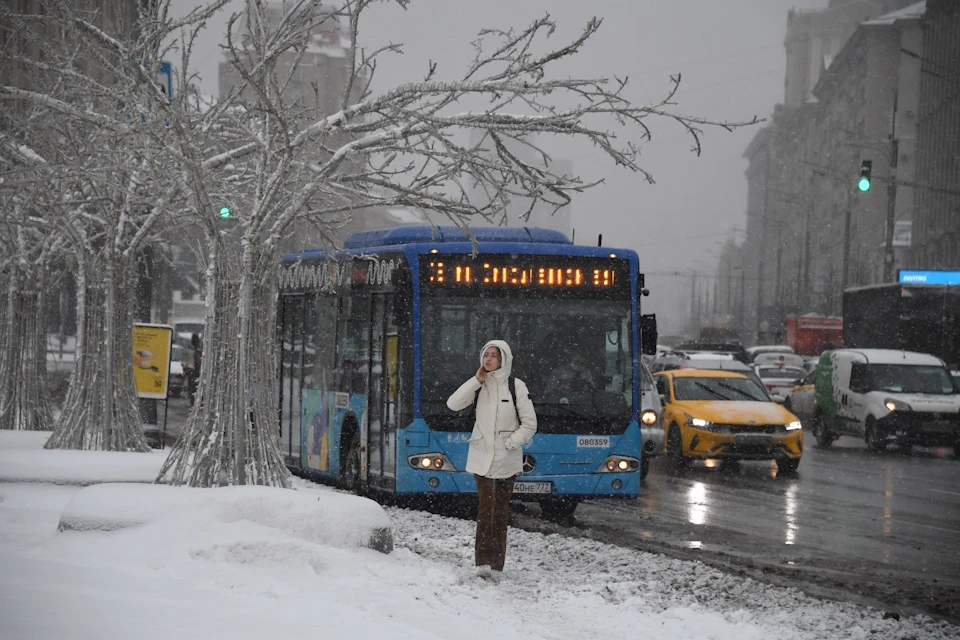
{"type": "Point", "coordinates": [225, 211]}
{"type": "Point", "coordinates": [864, 184]}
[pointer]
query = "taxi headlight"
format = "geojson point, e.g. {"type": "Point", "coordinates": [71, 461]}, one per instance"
{"type": "Point", "coordinates": [648, 417]}
{"type": "Point", "coordinates": [697, 422]}
{"type": "Point", "coordinates": [793, 426]}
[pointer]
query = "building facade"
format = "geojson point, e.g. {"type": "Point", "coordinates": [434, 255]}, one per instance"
{"type": "Point", "coordinates": [809, 234]}
{"type": "Point", "coordinates": [936, 228]}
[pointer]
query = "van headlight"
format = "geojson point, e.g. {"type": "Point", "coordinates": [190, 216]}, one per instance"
{"type": "Point", "coordinates": [793, 426]}
{"type": "Point", "coordinates": [896, 405]}
{"type": "Point", "coordinates": [431, 462]}
{"type": "Point", "coordinates": [648, 417]}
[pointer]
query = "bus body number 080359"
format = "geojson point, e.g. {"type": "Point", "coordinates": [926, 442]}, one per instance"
{"type": "Point", "coordinates": [593, 441]}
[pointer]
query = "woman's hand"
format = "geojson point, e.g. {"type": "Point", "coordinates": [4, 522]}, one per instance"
{"type": "Point", "coordinates": [481, 374]}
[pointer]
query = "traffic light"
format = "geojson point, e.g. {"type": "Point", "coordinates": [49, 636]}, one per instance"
{"type": "Point", "coordinates": [224, 212]}
{"type": "Point", "coordinates": [866, 167]}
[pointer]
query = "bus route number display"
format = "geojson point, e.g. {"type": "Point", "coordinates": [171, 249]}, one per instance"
{"type": "Point", "coordinates": [449, 272]}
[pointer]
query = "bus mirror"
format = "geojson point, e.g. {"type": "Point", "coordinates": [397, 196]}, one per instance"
{"type": "Point", "coordinates": [648, 334]}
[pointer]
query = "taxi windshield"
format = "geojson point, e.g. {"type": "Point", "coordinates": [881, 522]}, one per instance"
{"type": "Point", "coordinates": [729, 389]}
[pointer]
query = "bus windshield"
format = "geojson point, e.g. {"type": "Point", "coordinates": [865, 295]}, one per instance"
{"type": "Point", "coordinates": [573, 355]}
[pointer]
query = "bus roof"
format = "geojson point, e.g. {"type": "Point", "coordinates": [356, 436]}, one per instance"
{"type": "Point", "coordinates": [394, 236]}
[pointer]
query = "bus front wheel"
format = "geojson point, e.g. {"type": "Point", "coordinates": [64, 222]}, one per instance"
{"type": "Point", "coordinates": [558, 508]}
{"type": "Point", "coordinates": [350, 465]}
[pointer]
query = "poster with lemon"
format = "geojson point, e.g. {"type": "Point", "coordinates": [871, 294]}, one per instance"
{"type": "Point", "coordinates": [151, 359]}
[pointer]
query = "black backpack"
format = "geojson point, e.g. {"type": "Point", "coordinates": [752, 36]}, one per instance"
{"type": "Point", "coordinates": [512, 385]}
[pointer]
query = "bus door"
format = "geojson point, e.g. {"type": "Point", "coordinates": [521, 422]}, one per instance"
{"type": "Point", "coordinates": [382, 443]}
{"type": "Point", "coordinates": [291, 369]}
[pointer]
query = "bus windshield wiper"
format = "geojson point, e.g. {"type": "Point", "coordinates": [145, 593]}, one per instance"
{"type": "Point", "coordinates": [566, 408]}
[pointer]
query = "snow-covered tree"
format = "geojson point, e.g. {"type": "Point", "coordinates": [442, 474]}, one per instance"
{"type": "Point", "coordinates": [284, 164]}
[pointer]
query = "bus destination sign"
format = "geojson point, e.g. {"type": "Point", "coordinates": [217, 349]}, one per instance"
{"type": "Point", "coordinates": [528, 272]}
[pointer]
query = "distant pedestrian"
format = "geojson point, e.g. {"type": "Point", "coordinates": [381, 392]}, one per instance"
{"type": "Point", "coordinates": [495, 457]}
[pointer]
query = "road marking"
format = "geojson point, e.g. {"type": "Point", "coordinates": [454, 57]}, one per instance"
{"type": "Point", "coordinates": [949, 493]}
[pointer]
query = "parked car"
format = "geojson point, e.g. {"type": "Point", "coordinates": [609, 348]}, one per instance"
{"type": "Point", "coordinates": [778, 360]}
{"type": "Point", "coordinates": [726, 415]}
{"type": "Point", "coordinates": [177, 382]}
{"type": "Point", "coordinates": [733, 348]}
{"type": "Point", "coordinates": [651, 426]}
{"type": "Point", "coordinates": [704, 361]}
{"type": "Point", "coordinates": [753, 352]}
{"type": "Point", "coordinates": [779, 379]}
{"type": "Point", "coordinates": [800, 398]}
{"type": "Point", "coordinates": [886, 396]}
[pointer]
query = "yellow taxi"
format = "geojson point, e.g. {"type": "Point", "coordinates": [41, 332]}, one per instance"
{"type": "Point", "coordinates": [724, 414]}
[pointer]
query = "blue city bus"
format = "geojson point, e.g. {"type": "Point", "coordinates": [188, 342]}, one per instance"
{"type": "Point", "coordinates": [374, 339]}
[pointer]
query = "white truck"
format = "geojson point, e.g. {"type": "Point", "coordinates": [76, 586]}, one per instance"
{"type": "Point", "coordinates": [886, 396]}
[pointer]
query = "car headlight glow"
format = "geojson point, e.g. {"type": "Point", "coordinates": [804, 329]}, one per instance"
{"type": "Point", "coordinates": [648, 417]}
{"type": "Point", "coordinates": [434, 461]}
{"type": "Point", "coordinates": [616, 464]}
{"type": "Point", "coordinates": [793, 426]}
{"type": "Point", "coordinates": [896, 405]}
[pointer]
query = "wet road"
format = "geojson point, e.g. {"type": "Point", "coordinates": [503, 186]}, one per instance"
{"type": "Point", "coordinates": [883, 529]}
{"type": "Point", "coordinates": [882, 526]}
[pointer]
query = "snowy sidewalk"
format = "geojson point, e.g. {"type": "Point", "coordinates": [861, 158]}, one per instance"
{"type": "Point", "coordinates": [252, 573]}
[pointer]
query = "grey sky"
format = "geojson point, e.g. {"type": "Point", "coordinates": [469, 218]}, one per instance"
{"type": "Point", "coordinates": [730, 53]}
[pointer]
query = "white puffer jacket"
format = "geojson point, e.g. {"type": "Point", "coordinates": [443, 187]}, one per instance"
{"type": "Point", "coordinates": [497, 438]}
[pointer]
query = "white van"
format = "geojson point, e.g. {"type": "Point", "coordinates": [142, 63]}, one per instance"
{"type": "Point", "coordinates": [884, 396]}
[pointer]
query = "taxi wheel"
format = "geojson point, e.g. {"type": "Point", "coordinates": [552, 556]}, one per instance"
{"type": "Point", "coordinates": [788, 465]}
{"type": "Point", "coordinates": [675, 447]}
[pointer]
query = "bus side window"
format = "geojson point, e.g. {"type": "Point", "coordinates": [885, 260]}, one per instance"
{"type": "Point", "coordinates": [354, 356]}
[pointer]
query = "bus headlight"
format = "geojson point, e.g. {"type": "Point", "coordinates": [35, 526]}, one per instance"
{"type": "Point", "coordinates": [618, 464]}
{"type": "Point", "coordinates": [431, 461]}
{"type": "Point", "coordinates": [648, 417]}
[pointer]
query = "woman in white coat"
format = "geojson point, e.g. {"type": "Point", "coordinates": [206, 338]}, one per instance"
{"type": "Point", "coordinates": [495, 457]}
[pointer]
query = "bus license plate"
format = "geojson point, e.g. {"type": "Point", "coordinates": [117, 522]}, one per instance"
{"type": "Point", "coordinates": [533, 487]}
{"type": "Point", "coordinates": [600, 442]}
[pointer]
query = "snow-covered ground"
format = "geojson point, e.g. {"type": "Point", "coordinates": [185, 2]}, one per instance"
{"type": "Point", "coordinates": [167, 562]}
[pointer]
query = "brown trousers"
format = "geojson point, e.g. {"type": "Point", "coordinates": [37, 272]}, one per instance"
{"type": "Point", "coordinates": [493, 514]}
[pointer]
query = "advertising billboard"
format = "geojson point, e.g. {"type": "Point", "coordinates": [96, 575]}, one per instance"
{"type": "Point", "coordinates": [151, 359]}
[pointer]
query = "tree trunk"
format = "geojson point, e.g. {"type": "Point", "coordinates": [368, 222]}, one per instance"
{"type": "Point", "coordinates": [23, 363]}
{"type": "Point", "coordinates": [90, 420]}
{"type": "Point", "coordinates": [231, 436]}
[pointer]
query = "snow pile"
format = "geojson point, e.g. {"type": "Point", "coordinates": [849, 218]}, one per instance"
{"type": "Point", "coordinates": [23, 439]}
{"type": "Point", "coordinates": [255, 562]}
{"type": "Point", "coordinates": [59, 466]}
{"type": "Point", "coordinates": [333, 519]}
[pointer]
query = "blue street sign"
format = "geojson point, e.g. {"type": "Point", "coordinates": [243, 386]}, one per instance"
{"type": "Point", "coordinates": [913, 276]}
